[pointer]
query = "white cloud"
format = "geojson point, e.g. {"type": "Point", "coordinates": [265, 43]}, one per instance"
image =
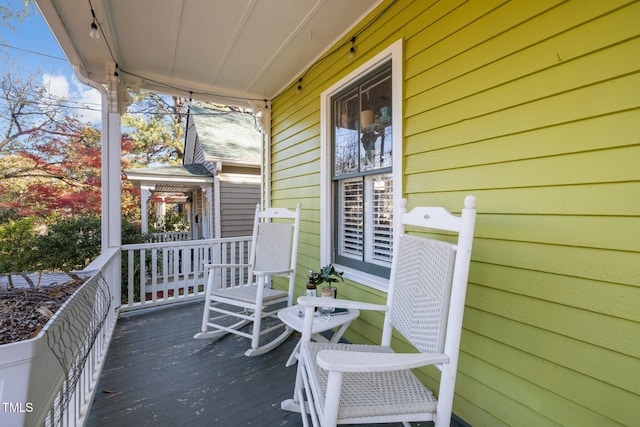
{"type": "Point", "coordinates": [92, 99]}
{"type": "Point", "coordinates": [57, 86]}
{"type": "Point", "coordinates": [86, 99]}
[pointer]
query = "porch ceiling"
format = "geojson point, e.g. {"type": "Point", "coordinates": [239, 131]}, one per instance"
{"type": "Point", "coordinates": [241, 48]}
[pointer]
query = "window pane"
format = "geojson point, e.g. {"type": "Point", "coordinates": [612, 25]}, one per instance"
{"type": "Point", "coordinates": [350, 232]}
{"type": "Point", "coordinates": [346, 134]}
{"type": "Point", "coordinates": [379, 219]}
{"type": "Point", "coordinates": [375, 136]}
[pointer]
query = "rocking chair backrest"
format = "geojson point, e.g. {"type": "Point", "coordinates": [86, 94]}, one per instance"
{"type": "Point", "coordinates": [273, 246]}
{"type": "Point", "coordinates": [422, 290]}
{"type": "Point", "coordinates": [429, 279]}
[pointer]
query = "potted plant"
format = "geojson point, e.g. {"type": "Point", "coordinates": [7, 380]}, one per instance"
{"type": "Point", "coordinates": [329, 275]}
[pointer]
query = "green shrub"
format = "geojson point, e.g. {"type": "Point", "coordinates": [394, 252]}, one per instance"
{"type": "Point", "coordinates": [70, 244]}
{"type": "Point", "coordinates": [18, 246]}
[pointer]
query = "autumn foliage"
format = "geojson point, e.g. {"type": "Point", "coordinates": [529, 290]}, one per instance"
{"type": "Point", "coordinates": [50, 173]}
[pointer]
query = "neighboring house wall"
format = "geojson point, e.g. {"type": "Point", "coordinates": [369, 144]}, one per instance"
{"type": "Point", "coordinates": [239, 193]}
{"type": "Point", "coordinates": [198, 155]}
{"type": "Point", "coordinates": [238, 205]}
{"type": "Point", "coordinates": [533, 107]}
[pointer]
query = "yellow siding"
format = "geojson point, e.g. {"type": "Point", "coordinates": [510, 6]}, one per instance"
{"type": "Point", "coordinates": [534, 107]}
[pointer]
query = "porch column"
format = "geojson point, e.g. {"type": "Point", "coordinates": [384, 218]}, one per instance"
{"type": "Point", "coordinates": [145, 195]}
{"type": "Point", "coordinates": [207, 213]}
{"type": "Point", "coordinates": [111, 181]}
{"type": "Point", "coordinates": [115, 99]}
{"type": "Point", "coordinates": [217, 210]}
{"type": "Point", "coordinates": [161, 210]}
{"type": "Point", "coordinates": [263, 111]}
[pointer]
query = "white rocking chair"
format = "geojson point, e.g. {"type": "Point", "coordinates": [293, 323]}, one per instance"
{"type": "Point", "coordinates": [273, 252]}
{"type": "Point", "coordinates": [356, 384]}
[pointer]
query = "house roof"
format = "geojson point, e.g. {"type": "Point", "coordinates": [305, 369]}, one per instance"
{"type": "Point", "coordinates": [229, 136]}
{"type": "Point", "coordinates": [194, 170]}
{"type": "Point", "coordinates": [241, 49]}
{"type": "Point", "coordinates": [174, 179]}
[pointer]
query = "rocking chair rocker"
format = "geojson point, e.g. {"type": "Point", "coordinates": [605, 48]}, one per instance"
{"type": "Point", "coordinates": [355, 384]}
{"type": "Point", "coordinates": [273, 252]}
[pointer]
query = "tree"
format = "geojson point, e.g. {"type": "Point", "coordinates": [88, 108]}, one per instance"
{"type": "Point", "coordinates": [14, 13]}
{"type": "Point", "coordinates": [56, 175]}
{"type": "Point", "coordinates": [50, 167]}
{"type": "Point", "coordinates": [154, 124]}
{"type": "Point", "coordinates": [30, 112]}
{"type": "Point", "coordinates": [50, 160]}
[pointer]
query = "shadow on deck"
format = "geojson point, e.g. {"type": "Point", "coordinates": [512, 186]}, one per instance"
{"type": "Point", "coordinates": [156, 374]}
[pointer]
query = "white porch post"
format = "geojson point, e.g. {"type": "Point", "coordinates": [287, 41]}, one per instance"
{"type": "Point", "coordinates": [264, 108]}
{"type": "Point", "coordinates": [111, 155]}
{"type": "Point", "coordinates": [114, 101]}
{"type": "Point", "coordinates": [161, 210]}
{"type": "Point", "coordinates": [145, 195]}
{"type": "Point", "coordinates": [217, 208]}
{"type": "Point", "coordinates": [207, 213]}
{"type": "Point", "coordinates": [111, 181]}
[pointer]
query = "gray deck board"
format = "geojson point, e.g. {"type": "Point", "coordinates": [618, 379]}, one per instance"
{"type": "Point", "coordinates": [157, 374]}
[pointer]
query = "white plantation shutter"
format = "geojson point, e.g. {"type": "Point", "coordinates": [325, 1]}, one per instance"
{"type": "Point", "coordinates": [350, 233]}
{"type": "Point", "coordinates": [379, 219]}
{"type": "Point", "coordinates": [366, 212]}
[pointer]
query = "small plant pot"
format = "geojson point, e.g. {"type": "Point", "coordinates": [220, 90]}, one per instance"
{"type": "Point", "coordinates": [329, 291]}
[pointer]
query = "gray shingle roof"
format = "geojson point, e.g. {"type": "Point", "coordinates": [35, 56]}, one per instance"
{"type": "Point", "coordinates": [227, 135]}
{"type": "Point", "coordinates": [183, 170]}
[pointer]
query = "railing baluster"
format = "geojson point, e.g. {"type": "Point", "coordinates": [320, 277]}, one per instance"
{"type": "Point", "coordinates": [154, 274]}
{"type": "Point", "coordinates": [143, 276]}
{"type": "Point", "coordinates": [130, 277]}
{"type": "Point", "coordinates": [176, 269]}
{"type": "Point", "coordinates": [165, 267]}
{"type": "Point", "coordinates": [234, 275]}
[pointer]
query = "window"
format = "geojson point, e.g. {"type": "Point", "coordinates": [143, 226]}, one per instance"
{"type": "Point", "coordinates": [363, 185]}
{"type": "Point", "coordinates": [361, 168]}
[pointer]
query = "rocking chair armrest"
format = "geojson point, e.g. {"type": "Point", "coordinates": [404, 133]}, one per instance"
{"type": "Point", "coordinates": [273, 272]}
{"type": "Point", "coordinates": [349, 361]}
{"type": "Point", "coordinates": [226, 265]}
{"type": "Point", "coordinates": [306, 301]}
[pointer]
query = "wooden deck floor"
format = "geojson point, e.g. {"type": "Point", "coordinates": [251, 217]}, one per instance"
{"type": "Point", "coordinates": [156, 374]}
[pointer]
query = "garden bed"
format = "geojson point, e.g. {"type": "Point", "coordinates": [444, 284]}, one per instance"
{"type": "Point", "coordinates": [50, 322]}
{"type": "Point", "coordinates": [24, 310]}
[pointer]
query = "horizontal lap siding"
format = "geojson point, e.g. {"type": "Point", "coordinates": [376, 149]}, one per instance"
{"type": "Point", "coordinates": [533, 107]}
{"type": "Point", "coordinates": [238, 208]}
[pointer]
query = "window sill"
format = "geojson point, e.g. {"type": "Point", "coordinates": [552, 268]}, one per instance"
{"type": "Point", "coordinates": [375, 282]}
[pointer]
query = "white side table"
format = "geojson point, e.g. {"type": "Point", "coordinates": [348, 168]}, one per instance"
{"type": "Point", "coordinates": [294, 318]}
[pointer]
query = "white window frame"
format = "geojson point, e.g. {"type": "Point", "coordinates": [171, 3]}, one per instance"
{"type": "Point", "coordinates": [393, 53]}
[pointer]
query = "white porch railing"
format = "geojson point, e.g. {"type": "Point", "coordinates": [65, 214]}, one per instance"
{"type": "Point", "coordinates": [54, 376]}
{"type": "Point", "coordinates": [169, 272]}
{"type": "Point", "coordinates": [171, 236]}
{"type": "Point", "coordinates": [50, 380]}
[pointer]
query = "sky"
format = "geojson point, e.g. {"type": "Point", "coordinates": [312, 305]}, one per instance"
{"type": "Point", "coordinates": [31, 47]}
